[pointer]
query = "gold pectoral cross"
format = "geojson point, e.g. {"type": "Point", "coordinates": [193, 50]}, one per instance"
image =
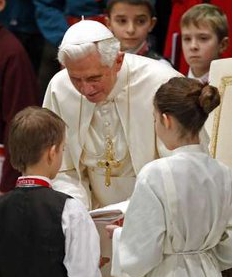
{"type": "Point", "coordinates": [109, 162]}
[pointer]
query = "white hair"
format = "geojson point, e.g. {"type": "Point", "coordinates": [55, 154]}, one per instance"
{"type": "Point", "coordinates": [107, 49]}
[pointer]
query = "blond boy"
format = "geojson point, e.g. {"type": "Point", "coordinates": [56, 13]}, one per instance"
{"type": "Point", "coordinates": [204, 33]}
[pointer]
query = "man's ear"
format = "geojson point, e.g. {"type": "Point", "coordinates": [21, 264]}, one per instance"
{"type": "Point", "coordinates": [223, 45]}
{"type": "Point", "coordinates": [119, 60]}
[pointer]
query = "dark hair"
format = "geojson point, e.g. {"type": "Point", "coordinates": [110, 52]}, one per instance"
{"type": "Point", "coordinates": [147, 3]}
{"type": "Point", "coordinates": [31, 132]}
{"type": "Point", "coordinates": [188, 100]}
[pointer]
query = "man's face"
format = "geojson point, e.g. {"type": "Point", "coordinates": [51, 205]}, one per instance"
{"type": "Point", "coordinates": [91, 78]}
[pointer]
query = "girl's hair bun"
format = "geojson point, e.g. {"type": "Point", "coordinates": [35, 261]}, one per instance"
{"type": "Point", "coordinates": [209, 98]}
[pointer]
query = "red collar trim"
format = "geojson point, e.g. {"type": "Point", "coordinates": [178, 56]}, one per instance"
{"type": "Point", "coordinates": [143, 50]}
{"type": "Point", "coordinates": [30, 182]}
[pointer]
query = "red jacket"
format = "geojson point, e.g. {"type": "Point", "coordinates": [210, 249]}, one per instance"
{"type": "Point", "coordinates": [18, 89]}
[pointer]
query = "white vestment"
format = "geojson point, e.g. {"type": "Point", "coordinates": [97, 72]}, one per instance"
{"type": "Point", "coordinates": [127, 115]}
{"type": "Point", "coordinates": [137, 82]}
{"type": "Point", "coordinates": [178, 223]}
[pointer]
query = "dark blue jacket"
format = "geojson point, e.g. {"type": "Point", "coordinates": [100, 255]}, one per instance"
{"type": "Point", "coordinates": [52, 15]}
{"type": "Point", "coordinates": [19, 16]}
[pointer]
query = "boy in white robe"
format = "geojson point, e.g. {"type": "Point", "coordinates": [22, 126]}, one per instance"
{"type": "Point", "coordinates": [178, 223]}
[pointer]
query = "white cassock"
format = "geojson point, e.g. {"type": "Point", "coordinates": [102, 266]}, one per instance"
{"type": "Point", "coordinates": [126, 116]}
{"type": "Point", "coordinates": [178, 223]}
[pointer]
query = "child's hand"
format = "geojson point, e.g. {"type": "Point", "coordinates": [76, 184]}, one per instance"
{"type": "Point", "coordinates": [119, 222]}
{"type": "Point", "coordinates": [103, 261]}
{"type": "Point", "coordinates": [110, 229]}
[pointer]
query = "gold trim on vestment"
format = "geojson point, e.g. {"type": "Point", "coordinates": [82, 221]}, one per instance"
{"type": "Point", "coordinates": [110, 161]}
{"type": "Point", "coordinates": [65, 170]}
{"type": "Point", "coordinates": [225, 81]}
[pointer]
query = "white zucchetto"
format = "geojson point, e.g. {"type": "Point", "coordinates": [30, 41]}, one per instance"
{"type": "Point", "coordinates": [86, 31]}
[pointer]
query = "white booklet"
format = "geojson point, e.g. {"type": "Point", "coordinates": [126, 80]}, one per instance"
{"type": "Point", "coordinates": [110, 213]}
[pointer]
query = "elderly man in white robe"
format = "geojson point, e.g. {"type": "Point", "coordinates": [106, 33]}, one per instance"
{"type": "Point", "coordinates": [105, 97]}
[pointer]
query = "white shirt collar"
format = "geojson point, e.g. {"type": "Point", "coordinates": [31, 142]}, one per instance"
{"type": "Point", "coordinates": [203, 79]}
{"type": "Point", "coordinates": [189, 148]}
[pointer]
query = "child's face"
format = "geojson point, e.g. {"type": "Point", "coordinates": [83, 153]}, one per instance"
{"type": "Point", "coordinates": [200, 46]}
{"type": "Point", "coordinates": [130, 24]}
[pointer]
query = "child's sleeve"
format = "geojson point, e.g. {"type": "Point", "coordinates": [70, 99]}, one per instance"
{"type": "Point", "coordinates": [82, 243]}
{"type": "Point", "coordinates": [223, 250]}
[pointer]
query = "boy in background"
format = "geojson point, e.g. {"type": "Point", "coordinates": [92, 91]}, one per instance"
{"type": "Point", "coordinates": [43, 232]}
{"type": "Point", "coordinates": [131, 21]}
{"type": "Point", "coordinates": [204, 35]}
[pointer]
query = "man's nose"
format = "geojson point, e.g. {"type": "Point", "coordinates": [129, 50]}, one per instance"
{"type": "Point", "coordinates": [86, 87]}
